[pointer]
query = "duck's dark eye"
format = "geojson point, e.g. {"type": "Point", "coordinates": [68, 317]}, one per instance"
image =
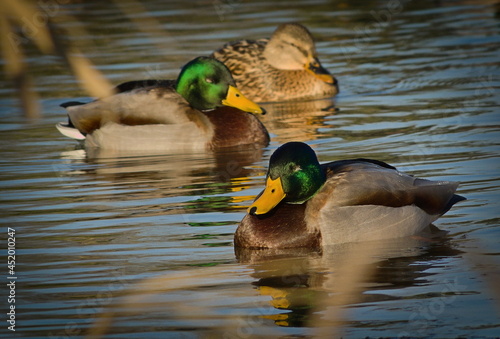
{"type": "Point", "coordinates": [294, 168]}
{"type": "Point", "coordinates": [237, 95]}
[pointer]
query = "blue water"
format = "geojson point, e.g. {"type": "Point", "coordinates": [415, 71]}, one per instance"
{"type": "Point", "coordinates": [141, 246]}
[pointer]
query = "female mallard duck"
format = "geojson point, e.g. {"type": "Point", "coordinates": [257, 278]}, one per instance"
{"type": "Point", "coordinates": [185, 114]}
{"type": "Point", "coordinates": [305, 204]}
{"type": "Point", "coordinates": [283, 67]}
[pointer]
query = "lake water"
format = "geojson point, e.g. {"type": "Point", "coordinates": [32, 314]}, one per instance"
{"type": "Point", "coordinates": [141, 246]}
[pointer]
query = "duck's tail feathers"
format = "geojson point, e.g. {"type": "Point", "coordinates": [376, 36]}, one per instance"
{"type": "Point", "coordinates": [454, 199]}
{"type": "Point", "coordinates": [69, 131]}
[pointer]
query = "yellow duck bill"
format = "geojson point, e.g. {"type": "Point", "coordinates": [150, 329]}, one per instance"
{"type": "Point", "coordinates": [272, 195]}
{"type": "Point", "coordinates": [236, 99]}
{"type": "Point", "coordinates": [315, 68]}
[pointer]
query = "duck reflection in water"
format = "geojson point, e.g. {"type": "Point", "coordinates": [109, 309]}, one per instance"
{"type": "Point", "coordinates": [300, 120]}
{"type": "Point", "coordinates": [208, 177]}
{"type": "Point", "coordinates": [312, 287]}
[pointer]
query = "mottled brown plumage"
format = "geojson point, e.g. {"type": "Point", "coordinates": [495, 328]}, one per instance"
{"type": "Point", "coordinates": [284, 67]}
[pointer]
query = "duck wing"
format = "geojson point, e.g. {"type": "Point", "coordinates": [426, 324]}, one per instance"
{"type": "Point", "coordinates": [371, 182]}
{"type": "Point", "coordinates": [135, 105]}
{"type": "Point", "coordinates": [368, 200]}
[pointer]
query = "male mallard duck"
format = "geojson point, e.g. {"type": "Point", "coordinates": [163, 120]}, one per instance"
{"type": "Point", "coordinates": [166, 115]}
{"type": "Point", "coordinates": [283, 67]}
{"type": "Point", "coordinates": [305, 204]}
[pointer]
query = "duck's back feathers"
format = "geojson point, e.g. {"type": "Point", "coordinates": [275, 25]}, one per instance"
{"type": "Point", "coordinates": [142, 106]}
{"type": "Point", "coordinates": [362, 182]}
{"type": "Point", "coordinates": [366, 201]}
{"type": "Point", "coordinates": [245, 60]}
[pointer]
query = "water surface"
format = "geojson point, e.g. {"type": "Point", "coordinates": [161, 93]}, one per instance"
{"type": "Point", "coordinates": [142, 246]}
